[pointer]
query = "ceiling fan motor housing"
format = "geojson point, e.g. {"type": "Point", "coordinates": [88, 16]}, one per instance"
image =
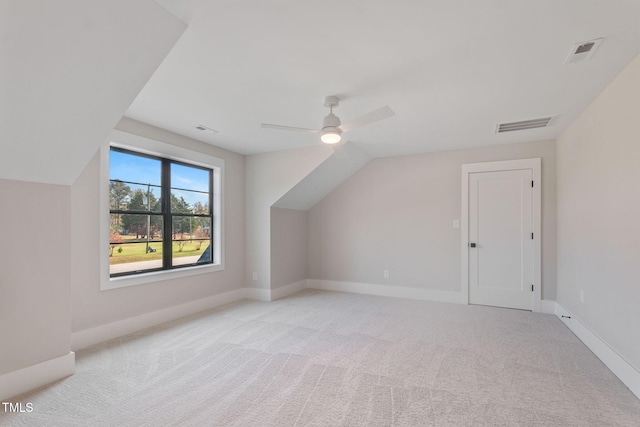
{"type": "Point", "coordinates": [331, 121]}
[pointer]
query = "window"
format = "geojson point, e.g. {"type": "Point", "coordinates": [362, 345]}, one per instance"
{"type": "Point", "coordinates": [161, 213]}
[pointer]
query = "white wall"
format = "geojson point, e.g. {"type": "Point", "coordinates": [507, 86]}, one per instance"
{"type": "Point", "coordinates": [598, 213]}
{"type": "Point", "coordinates": [396, 214]}
{"type": "Point", "coordinates": [92, 307]}
{"type": "Point", "coordinates": [268, 177]}
{"type": "Point", "coordinates": [288, 246]}
{"type": "Point", "coordinates": [35, 311]}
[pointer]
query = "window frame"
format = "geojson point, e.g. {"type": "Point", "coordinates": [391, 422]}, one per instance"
{"type": "Point", "coordinates": [139, 145]}
{"type": "Point", "coordinates": [166, 213]}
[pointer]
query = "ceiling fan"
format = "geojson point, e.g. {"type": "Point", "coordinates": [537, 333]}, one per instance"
{"type": "Point", "coordinates": [332, 128]}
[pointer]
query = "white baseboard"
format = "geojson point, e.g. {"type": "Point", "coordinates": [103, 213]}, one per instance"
{"type": "Point", "coordinates": [257, 294]}
{"type": "Point", "coordinates": [88, 337]}
{"type": "Point", "coordinates": [291, 288]}
{"type": "Point", "coordinates": [17, 382]}
{"type": "Point", "coordinates": [267, 295]}
{"type": "Point", "coordinates": [627, 373]}
{"type": "Point", "coordinates": [387, 291]}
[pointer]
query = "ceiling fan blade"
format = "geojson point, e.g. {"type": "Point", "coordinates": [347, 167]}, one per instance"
{"type": "Point", "coordinates": [374, 116]}
{"type": "Point", "coordinates": [280, 127]}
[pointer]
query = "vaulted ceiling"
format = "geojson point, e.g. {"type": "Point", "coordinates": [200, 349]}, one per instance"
{"type": "Point", "coordinates": [451, 70]}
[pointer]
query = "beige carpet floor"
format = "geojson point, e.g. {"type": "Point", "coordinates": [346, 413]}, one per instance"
{"type": "Point", "coordinates": [337, 359]}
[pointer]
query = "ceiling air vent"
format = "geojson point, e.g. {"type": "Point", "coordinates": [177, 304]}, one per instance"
{"type": "Point", "coordinates": [205, 128]}
{"type": "Point", "coordinates": [523, 125]}
{"type": "Point", "coordinates": [583, 51]}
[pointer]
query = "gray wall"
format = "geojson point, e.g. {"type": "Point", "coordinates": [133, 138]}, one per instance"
{"type": "Point", "coordinates": [92, 307]}
{"type": "Point", "coordinates": [598, 213]}
{"type": "Point", "coordinates": [269, 176]}
{"type": "Point", "coordinates": [396, 214]}
{"type": "Point", "coordinates": [288, 246]}
{"type": "Point", "coordinates": [34, 277]}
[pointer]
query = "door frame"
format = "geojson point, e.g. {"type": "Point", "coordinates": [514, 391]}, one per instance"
{"type": "Point", "coordinates": [535, 165]}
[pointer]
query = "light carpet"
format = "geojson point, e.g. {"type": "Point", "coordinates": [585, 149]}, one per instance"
{"type": "Point", "coordinates": [336, 359]}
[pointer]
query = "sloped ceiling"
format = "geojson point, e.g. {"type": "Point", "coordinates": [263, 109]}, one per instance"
{"type": "Point", "coordinates": [451, 70]}
{"type": "Point", "coordinates": [70, 69]}
{"type": "Point", "coordinates": [346, 160]}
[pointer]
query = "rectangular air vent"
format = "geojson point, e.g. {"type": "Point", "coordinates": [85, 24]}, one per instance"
{"type": "Point", "coordinates": [584, 48]}
{"type": "Point", "coordinates": [205, 128]}
{"type": "Point", "coordinates": [523, 125]}
{"type": "Point", "coordinates": [583, 51]}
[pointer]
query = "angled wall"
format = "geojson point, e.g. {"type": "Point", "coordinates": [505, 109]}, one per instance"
{"type": "Point", "coordinates": [269, 176]}
{"type": "Point", "coordinates": [70, 69]}
{"type": "Point", "coordinates": [289, 229]}
{"type": "Point", "coordinates": [346, 159]}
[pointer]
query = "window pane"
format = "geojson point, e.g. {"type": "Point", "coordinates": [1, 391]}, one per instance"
{"type": "Point", "coordinates": [189, 178]}
{"type": "Point", "coordinates": [131, 247]}
{"type": "Point", "coordinates": [186, 201]}
{"type": "Point", "coordinates": [134, 182]}
{"type": "Point", "coordinates": [137, 216]}
{"type": "Point", "coordinates": [189, 189]}
{"type": "Point", "coordinates": [133, 168]}
{"type": "Point", "coordinates": [190, 240]}
{"type": "Point", "coordinates": [134, 197]}
{"type": "Point", "coordinates": [115, 228]}
{"type": "Point", "coordinates": [119, 195]}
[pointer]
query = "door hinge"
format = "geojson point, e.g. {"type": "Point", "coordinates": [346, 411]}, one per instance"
{"type": "Point", "coordinates": [532, 236]}
{"type": "Point", "coordinates": [531, 288]}
{"type": "Point", "coordinates": [531, 183]}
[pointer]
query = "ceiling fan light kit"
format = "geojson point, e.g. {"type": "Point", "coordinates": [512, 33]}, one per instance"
{"type": "Point", "coordinates": [331, 132]}
{"type": "Point", "coordinates": [332, 127]}
{"type": "Point", "coordinates": [330, 136]}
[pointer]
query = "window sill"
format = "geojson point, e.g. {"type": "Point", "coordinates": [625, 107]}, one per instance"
{"type": "Point", "coordinates": [157, 276]}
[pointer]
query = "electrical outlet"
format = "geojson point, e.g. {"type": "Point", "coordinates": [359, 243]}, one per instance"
{"type": "Point", "coordinates": [385, 274]}
{"type": "Point", "coordinates": [255, 276]}
{"type": "Point", "coordinates": [581, 296]}
{"type": "Point", "coordinates": [456, 223]}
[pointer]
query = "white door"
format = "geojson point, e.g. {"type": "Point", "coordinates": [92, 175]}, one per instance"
{"type": "Point", "coordinates": [501, 262]}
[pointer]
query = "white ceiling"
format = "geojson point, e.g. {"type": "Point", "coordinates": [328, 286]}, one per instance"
{"type": "Point", "coordinates": [451, 70]}
{"type": "Point", "coordinates": [68, 71]}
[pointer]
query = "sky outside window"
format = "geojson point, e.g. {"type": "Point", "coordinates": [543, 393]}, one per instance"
{"type": "Point", "coordinates": [132, 168]}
